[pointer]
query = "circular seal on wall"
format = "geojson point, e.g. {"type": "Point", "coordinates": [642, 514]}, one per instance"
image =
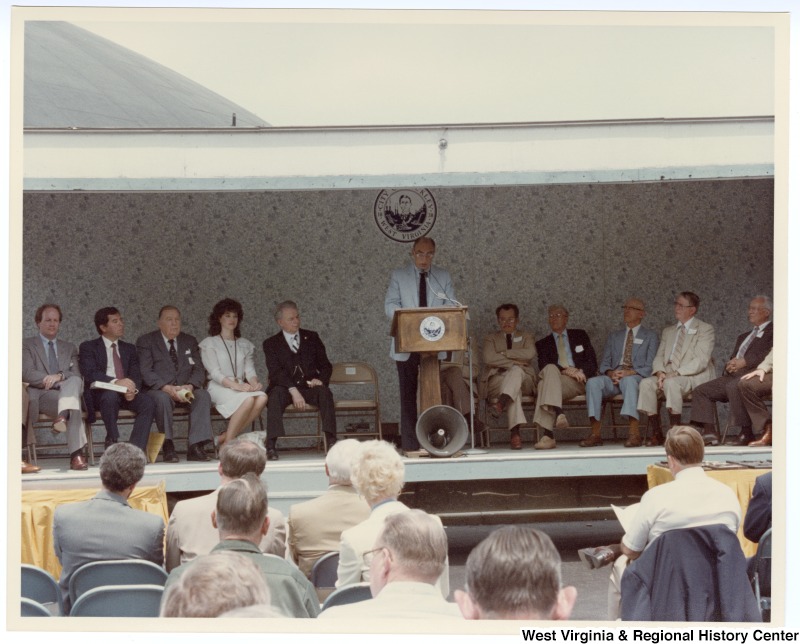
{"type": "Point", "coordinates": [432, 328]}
{"type": "Point", "coordinates": [405, 215]}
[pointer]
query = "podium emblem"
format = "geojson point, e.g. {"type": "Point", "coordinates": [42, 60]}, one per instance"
{"type": "Point", "coordinates": [406, 214]}
{"type": "Point", "coordinates": [432, 328]}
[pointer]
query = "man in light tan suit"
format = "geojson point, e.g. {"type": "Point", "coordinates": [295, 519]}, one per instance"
{"type": "Point", "coordinates": [315, 527]}
{"type": "Point", "coordinates": [190, 532]}
{"type": "Point", "coordinates": [683, 361]}
{"type": "Point", "coordinates": [509, 373]}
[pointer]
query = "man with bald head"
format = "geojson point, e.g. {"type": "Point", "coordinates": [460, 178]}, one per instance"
{"type": "Point", "coordinates": [627, 358]}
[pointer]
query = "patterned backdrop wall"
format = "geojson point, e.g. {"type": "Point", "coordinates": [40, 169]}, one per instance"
{"type": "Point", "coordinates": [588, 246]}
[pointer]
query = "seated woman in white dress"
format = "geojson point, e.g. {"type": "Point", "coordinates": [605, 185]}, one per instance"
{"type": "Point", "coordinates": [228, 358]}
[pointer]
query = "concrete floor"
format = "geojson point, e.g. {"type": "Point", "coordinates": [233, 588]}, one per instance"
{"type": "Point", "coordinates": [568, 537]}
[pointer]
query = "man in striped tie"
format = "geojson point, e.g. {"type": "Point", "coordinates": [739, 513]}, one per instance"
{"type": "Point", "coordinates": [750, 349]}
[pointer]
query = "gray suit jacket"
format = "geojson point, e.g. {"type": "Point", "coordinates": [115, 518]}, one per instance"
{"type": "Point", "coordinates": [403, 293]}
{"type": "Point", "coordinates": [157, 367]}
{"type": "Point", "coordinates": [102, 529]}
{"type": "Point", "coordinates": [35, 368]}
{"type": "Point", "coordinates": [644, 351]}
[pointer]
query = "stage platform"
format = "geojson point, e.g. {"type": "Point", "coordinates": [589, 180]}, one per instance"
{"type": "Point", "coordinates": [498, 486]}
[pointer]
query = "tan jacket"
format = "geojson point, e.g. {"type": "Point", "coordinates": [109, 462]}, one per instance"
{"type": "Point", "coordinates": [497, 358]}
{"type": "Point", "coordinates": [695, 357]}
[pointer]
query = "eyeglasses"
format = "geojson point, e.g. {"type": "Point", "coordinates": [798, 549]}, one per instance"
{"type": "Point", "coordinates": [506, 320]}
{"type": "Point", "coordinates": [420, 255]}
{"type": "Point", "coordinates": [557, 315]}
{"type": "Point", "coordinates": [683, 306]}
{"type": "Point", "coordinates": [369, 555]}
{"type": "Point", "coordinates": [631, 308]}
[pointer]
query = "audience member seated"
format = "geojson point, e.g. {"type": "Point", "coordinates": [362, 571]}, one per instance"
{"type": "Point", "coordinates": [299, 373]}
{"type": "Point", "coordinates": [758, 518]}
{"type": "Point", "coordinates": [105, 527]}
{"type": "Point", "coordinates": [750, 349]}
{"type": "Point", "coordinates": [692, 499]}
{"type": "Point", "coordinates": [171, 371]}
{"type": "Point", "coordinates": [214, 585]}
{"type": "Point", "coordinates": [683, 362]}
{"type": "Point", "coordinates": [509, 371]}
{"type": "Point", "coordinates": [315, 527]}
{"type": "Point", "coordinates": [228, 358]}
{"type": "Point", "coordinates": [259, 611]}
{"type": "Point", "coordinates": [566, 360]}
{"type": "Point", "coordinates": [627, 358]}
{"type": "Point", "coordinates": [378, 476]}
{"type": "Point", "coordinates": [190, 532]}
{"type": "Point", "coordinates": [515, 573]}
{"type": "Point", "coordinates": [50, 367]}
{"type": "Point", "coordinates": [108, 359]}
{"type": "Point", "coordinates": [753, 388]}
{"type": "Point", "coordinates": [408, 556]}
{"type": "Point", "coordinates": [242, 521]}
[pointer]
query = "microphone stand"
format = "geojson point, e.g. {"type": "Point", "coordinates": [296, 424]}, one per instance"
{"type": "Point", "coordinates": [472, 451]}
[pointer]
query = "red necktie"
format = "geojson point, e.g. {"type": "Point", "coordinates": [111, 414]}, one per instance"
{"type": "Point", "coordinates": [119, 372]}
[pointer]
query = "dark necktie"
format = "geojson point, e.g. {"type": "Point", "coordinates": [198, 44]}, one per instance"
{"type": "Point", "coordinates": [508, 340]}
{"type": "Point", "coordinates": [119, 372]}
{"type": "Point", "coordinates": [52, 361]}
{"type": "Point", "coordinates": [174, 357]}
{"type": "Point", "coordinates": [627, 354]}
{"type": "Point", "coordinates": [423, 289]}
{"type": "Point", "coordinates": [295, 343]}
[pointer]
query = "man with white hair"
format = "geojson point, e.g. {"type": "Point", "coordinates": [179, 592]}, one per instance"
{"type": "Point", "coordinates": [378, 476]}
{"type": "Point", "coordinates": [515, 573]}
{"type": "Point", "coordinates": [408, 557]}
{"type": "Point", "coordinates": [315, 527]}
{"type": "Point", "coordinates": [241, 519]}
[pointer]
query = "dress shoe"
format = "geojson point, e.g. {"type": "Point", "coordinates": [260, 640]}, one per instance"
{"type": "Point", "coordinates": [77, 462]}
{"type": "Point", "coordinates": [59, 425]}
{"type": "Point", "coordinates": [545, 442]}
{"type": "Point", "coordinates": [108, 443]}
{"type": "Point", "coordinates": [27, 468]}
{"type": "Point", "coordinates": [208, 447]}
{"type": "Point", "coordinates": [740, 440]}
{"type": "Point", "coordinates": [711, 439]}
{"type": "Point", "coordinates": [194, 453]}
{"type": "Point", "coordinates": [634, 441]}
{"type": "Point", "coordinates": [516, 440]}
{"type": "Point", "coordinates": [562, 422]}
{"type": "Point", "coordinates": [496, 409]}
{"type": "Point", "coordinates": [169, 452]}
{"type": "Point", "coordinates": [766, 438]}
{"type": "Point", "coordinates": [272, 454]}
{"type": "Point", "coordinates": [655, 440]}
{"type": "Point", "coordinates": [592, 441]}
{"type": "Point", "coordinates": [596, 557]}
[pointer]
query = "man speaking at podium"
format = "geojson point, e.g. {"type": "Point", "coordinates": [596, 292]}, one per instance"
{"type": "Point", "coordinates": [417, 285]}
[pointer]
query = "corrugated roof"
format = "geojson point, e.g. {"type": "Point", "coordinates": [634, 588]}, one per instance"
{"type": "Point", "coordinates": [74, 78]}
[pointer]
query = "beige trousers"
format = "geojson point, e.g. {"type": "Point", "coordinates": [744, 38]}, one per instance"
{"type": "Point", "coordinates": [515, 383]}
{"type": "Point", "coordinates": [553, 390]}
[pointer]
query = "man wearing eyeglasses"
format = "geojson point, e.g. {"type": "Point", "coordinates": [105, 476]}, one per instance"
{"type": "Point", "coordinates": [682, 363]}
{"type": "Point", "coordinates": [418, 284]}
{"type": "Point", "coordinates": [566, 360]}
{"type": "Point", "coordinates": [627, 358]}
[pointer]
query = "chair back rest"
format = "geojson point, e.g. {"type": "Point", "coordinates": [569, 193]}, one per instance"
{"type": "Point", "coordinates": [324, 571]}
{"type": "Point", "coordinates": [41, 586]}
{"type": "Point", "coordinates": [114, 573]}
{"type": "Point", "coordinates": [119, 601]}
{"type": "Point", "coordinates": [348, 595]}
{"type": "Point", "coordinates": [762, 567]}
{"type": "Point", "coordinates": [354, 373]}
{"type": "Point", "coordinates": [32, 608]}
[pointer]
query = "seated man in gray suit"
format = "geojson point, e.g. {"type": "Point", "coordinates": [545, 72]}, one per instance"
{"type": "Point", "coordinates": [189, 531]}
{"type": "Point", "coordinates": [173, 374]}
{"type": "Point", "coordinates": [106, 527]}
{"type": "Point", "coordinates": [627, 358]}
{"type": "Point", "coordinates": [240, 516]}
{"type": "Point", "coordinates": [55, 386]}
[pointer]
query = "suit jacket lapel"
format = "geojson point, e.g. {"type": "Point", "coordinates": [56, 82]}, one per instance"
{"type": "Point", "coordinates": [42, 354]}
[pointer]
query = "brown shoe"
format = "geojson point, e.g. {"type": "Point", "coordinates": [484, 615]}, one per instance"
{"type": "Point", "coordinates": [27, 468]}
{"type": "Point", "coordinates": [592, 441]}
{"type": "Point", "coordinates": [655, 440]}
{"type": "Point", "coordinates": [77, 462]}
{"type": "Point", "coordinates": [59, 425]}
{"type": "Point", "coordinates": [634, 441]}
{"type": "Point", "coordinates": [516, 440]}
{"type": "Point", "coordinates": [765, 440]}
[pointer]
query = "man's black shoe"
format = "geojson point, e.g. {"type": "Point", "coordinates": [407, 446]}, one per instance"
{"type": "Point", "coordinates": [170, 456]}
{"type": "Point", "coordinates": [272, 454]}
{"type": "Point", "coordinates": [740, 440]}
{"type": "Point", "coordinates": [108, 443]}
{"type": "Point", "coordinates": [196, 453]}
{"type": "Point", "coordinates": [711, 439]}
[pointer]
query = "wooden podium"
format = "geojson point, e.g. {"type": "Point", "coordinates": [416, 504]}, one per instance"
{"type": "Point", "coordinates": [428, 331]}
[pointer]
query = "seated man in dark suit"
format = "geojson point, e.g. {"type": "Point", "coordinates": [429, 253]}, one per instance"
{"type": "Point", "coordinates": [172, 369]}
{"type": "Point", "coordinates": [109, 359]}
{"type": "Point", "coordinates": [50, 367]}
{"type": "Point", "coordinates": [566, 360]}
{"type": "Point", "coordinates": [299, 372]}
{"type": "Point", "coordinates": [105, 527]}
{"type": "Point", "coordinates": [750, 349]}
